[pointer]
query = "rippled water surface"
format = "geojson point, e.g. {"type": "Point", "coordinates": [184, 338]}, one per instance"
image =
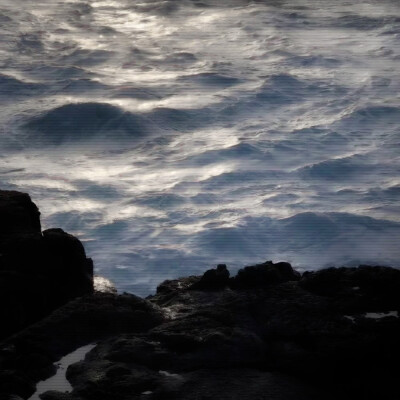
{"type": "Point", "coordinates": [174, 135]}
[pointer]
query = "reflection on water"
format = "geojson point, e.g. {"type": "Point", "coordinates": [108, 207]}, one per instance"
{"type": "Point", "coordinates": [59, 381]}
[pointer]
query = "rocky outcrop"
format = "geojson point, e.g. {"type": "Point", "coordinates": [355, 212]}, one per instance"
{"type": "Point", "coordinates": [19, 215]}
{"type": "Point", "coordinates": [326, 334]}
{"type": "Point", "coordinates": [39, 272]}
{"type": "Point", "coordinates": [213, 279]}
{"type": "Point", "coordinates": [28, 356]}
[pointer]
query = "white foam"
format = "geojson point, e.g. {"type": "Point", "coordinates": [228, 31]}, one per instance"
{"type": "Point", "coordinates": [103, 285]}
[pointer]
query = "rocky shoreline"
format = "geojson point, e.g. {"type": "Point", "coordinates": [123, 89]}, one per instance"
{"type": "Point", "coordinates": [266, 333]}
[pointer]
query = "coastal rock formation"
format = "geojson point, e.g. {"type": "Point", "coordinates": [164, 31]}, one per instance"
{"type": "Point", "coordinates": [328, 334]}
{"type": "Point", "coordinates": [266, 333]}
{"type": "Point", "coordinates": [39, 272]}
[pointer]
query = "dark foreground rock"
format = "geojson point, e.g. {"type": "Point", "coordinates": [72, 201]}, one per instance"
{"type": "Point", "coordinates": [328, 334]}
{"type": "Point", "coordinates": [28, 356]}
{"type": "Point", "coordinates": [39, 272]}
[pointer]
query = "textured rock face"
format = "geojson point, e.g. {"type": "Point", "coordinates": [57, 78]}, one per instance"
{"type": "Point", "coordinates": [28, 356]}
{"type": "Point", "coordinates": [38, 272]}
{"type": "Point", "coordinates": [328, 334]}
{"type": "Point", "coordinates": [264, 274]}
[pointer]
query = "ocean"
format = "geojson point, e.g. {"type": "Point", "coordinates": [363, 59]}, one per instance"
{"type": "Point", "coordinates": [171, 136]}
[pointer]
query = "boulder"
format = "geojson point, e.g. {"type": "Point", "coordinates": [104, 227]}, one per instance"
{"type": "Point", "coordinates": [282, 338]}
{"type": "Point", "coordinates": [28, 356]}
{"type": "Point", "coordinates": [264, 274]}
{"type": "Point", "coordinates": [18, 215]}
{"type": "Point", "coordinates": [213, 279]}
{"type": "Point", "coordinates": [38, 271]}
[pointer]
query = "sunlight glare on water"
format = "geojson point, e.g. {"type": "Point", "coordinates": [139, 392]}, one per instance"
{"type": "Point", "coordinates": [173, 136]}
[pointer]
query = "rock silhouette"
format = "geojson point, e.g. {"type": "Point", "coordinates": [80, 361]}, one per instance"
{"type": "Point", "coordinates": [39, 272]}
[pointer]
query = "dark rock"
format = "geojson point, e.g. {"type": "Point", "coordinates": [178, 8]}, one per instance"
{"type": "Point", "coordinates": [173, 286]}
{"type": "Point", "coordinates": [365, 287]}
{"type": "Point", "coordinates": [119, 369]}
{"type": "Point", "coordinates": [244, 383]}
{"type": "Point", "coordinates": [54, 395]}
{"type": "Point", "coordinates": [70, 272]}
{"type": "Point", "coordinates": [315, 329]}
{"type": "Point", "coordinates": [267, 273]}
{"type": "Point", "coordinates": [213, 279]}
{"type": "Point", "coordinates": [38, 272]}
{"type": "Point", "coordinates": [10, 397]}
{"type": "Point", "coordinates": [22, 301]}
{"type": "Point", "coordinates": [18, 215]}
{"type": "Point", "coordinates": [30, 354]}
{"type": "Point", "coordinates": [19, 385]}
{"type": "Point", "coordinates": [281, 339]}
{"type": "Point", "coordinates": [102, 379]}
{"type": "Point", "coordinates": [81, 321]}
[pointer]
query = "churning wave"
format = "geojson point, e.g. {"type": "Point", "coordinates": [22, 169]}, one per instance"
{"type": "Point", "coordinates": [82, 121]}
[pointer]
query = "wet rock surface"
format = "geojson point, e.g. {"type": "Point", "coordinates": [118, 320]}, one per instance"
{"type": "Point", "coordinates": [28, 356]}
{"type": "Point", "coordinates": [266, 333]}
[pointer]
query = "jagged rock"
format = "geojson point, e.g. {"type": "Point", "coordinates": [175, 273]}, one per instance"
{"type": "Point", "coordinates": [128, 367]}
{"type": "Point", "coordinates": [103, 379]}
{"type": "Point", "coordinates": [283, 339]}
{"type": "Point", "coordinates": [267, 273]}
{"type": "Point", "coordinates": [29, 355]}
{"type": "Point", "coordinates": [366, 287]}
{"type": "Point", "coordinates": [213, 279]}
{"type": "Point", "coordinates": [316, 328]}
{"type": "Point", "coordinates": [18, 215]}
{"type": "Point", "coordinates": [71, 273]}
{"type": "Point", "coordinates": [38, 272]}
{"type": "Point", "coordinates": [173, 286]}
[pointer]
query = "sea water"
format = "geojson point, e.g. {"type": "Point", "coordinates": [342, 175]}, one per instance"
{"type": "Point", "coordinates": [171, 136]}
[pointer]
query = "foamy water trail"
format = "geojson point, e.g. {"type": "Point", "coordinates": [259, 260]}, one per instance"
{"type": "Point", "coordinates": [172, 136]}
